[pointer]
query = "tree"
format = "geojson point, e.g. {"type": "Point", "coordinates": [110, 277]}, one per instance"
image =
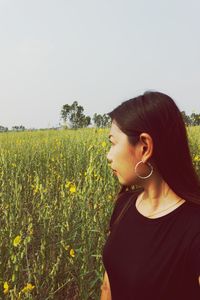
{"type": "Point", "coordinates": [74, 114]}
{"type": "Point", "coordinates": [101, 120]}
{"type": "Point", "coordinates": [186, 118]}
{"type": "Point", "coordinates": [195, 119]}
{"type": "Point", "coordinates": [192, 120]}
{"type": "Point", "coordinates": [85, 121]}
{"type": "Point", "coordinates": [65, 113]}
{"type": "Point", "coordinates": [3, 129]}
{"type": "Point", "coordinates": [18, 128]}
{"type": "Point", "coordinates": [97, 119]}
{"type": "Point", "coordinates": [106, 120]}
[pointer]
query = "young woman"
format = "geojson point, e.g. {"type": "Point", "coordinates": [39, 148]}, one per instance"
{"type": "Point", "coordinates": [153, 249]}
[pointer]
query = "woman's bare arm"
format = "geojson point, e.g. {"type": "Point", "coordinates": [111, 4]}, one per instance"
{"type": "Point", "coordinates": [105, 288]}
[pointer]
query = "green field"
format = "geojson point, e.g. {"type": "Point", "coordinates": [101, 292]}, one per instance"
{"type": "Point", "coordinates": [56, 198]}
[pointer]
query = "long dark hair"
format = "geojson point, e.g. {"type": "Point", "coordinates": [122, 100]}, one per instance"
{"type": "Point", "coordinates": [158, 115]}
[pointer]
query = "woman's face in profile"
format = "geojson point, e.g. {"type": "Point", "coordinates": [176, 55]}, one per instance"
{"type": "Point", "coordinates": [122, 156]}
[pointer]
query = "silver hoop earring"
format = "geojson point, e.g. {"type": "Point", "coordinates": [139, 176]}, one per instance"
{"type": "Point", "coordinates": [144, 177]}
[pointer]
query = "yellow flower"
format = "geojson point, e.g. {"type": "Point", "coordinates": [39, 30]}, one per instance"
{"type": "Point", "coordinates": [110, 197]}
{"type": "Point", "coordinates": [103, 144]}
{"type": "Point", "coordinates": [197, 158]}
{"type": "Point", "coordinates": [28, 288]}
{"type": "Point", "coordinates": [6, 287]}
{"type": "Point", "coordinates": [72, 189]}
{"type": "Point", "coordinates": [17, 240]}
{"type": "Point", "coordinates": [68, 183]}
{"type": "Point", "coordinates": [72, 253]}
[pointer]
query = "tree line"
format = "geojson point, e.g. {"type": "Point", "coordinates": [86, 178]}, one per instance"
{"type": "Point", "coordinates": [73, 117]}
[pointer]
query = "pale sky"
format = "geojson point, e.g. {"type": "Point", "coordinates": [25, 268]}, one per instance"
{"type": "Point", "coordinates": [99, 53]}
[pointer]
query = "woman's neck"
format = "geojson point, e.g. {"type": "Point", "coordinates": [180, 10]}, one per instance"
{"type": "Point", "coordinates": [158, 195]}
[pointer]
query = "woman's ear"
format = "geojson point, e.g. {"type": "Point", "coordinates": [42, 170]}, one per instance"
{"type": "Point", "coordinates": [147, 146]}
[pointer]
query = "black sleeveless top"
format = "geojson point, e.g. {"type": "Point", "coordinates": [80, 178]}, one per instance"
{"type": "Point", "coordinates": [156, 259]}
